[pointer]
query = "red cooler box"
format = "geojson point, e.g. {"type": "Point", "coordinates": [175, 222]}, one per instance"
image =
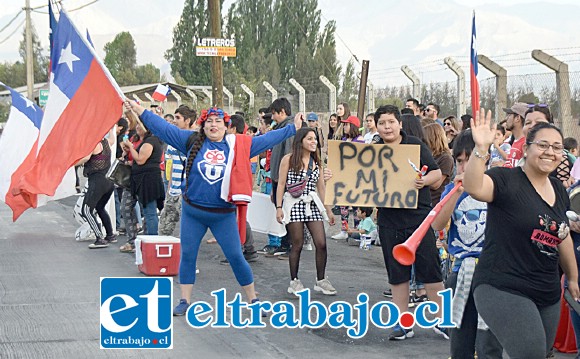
{"type": "Point", "coordinates": [158, 255]}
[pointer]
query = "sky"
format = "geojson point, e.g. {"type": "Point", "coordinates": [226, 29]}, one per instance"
{"type": "Point", "coordinates": [388, 33]}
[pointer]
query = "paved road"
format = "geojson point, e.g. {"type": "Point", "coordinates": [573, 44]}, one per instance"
{"type": "Point", "coordinates": [49, 298]}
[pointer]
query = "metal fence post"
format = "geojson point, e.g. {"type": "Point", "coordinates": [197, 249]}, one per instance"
{"type": "Point", "coordinates": [331, 93]}
{"type": "Point", "coordinates": [415, 80]}
{"type": "Point", "coordinates": [461, 106]}
{"type": "Point", "coordinates": [271, 89]}
{"type": "Point", "coordinates": [230, 100]}
{"type": "Point", "coordinates": [564, 120]}
{"type": "Point", "coordinates": [192, 95]}
{"type": "Point", "coordinates": [500, 83]}
{"type": "Point", "coordinates": [302, 95]}
{"type": "Point", "coordinates": [250, 94]}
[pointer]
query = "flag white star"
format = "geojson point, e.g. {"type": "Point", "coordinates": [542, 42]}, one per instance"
{"type": "Point", "coordinates": [29, 103]}
{"type": "Point", "coordinates": [67, 57]}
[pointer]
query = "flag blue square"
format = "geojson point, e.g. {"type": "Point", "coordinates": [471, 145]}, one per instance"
{"type": "Point", "coordinates": [136, 313]}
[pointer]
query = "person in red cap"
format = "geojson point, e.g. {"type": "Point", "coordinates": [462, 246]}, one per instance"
{"type": "Point", "coordinates": [209, 197]}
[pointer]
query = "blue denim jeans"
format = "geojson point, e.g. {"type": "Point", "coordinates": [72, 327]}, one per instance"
{"type": "Point", "coordinates": [150, 214]}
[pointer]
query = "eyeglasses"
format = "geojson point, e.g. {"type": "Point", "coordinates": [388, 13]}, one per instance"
{"type": "Point", "coordinates": [542, 105]}
{"type": "Point", "coordinates": [543, 146]}
{"type": "Point", "coordinates": [472, 215]}
{"type": "Point", "coordinates": [447, 123]}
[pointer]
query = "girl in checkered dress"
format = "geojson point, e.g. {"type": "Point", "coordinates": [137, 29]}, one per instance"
{"type": "Point", "coordinates": [307, 210]}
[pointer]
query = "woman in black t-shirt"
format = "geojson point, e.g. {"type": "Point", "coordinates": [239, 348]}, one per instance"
{"type": "Point", "coordinates": [146, 185]}
{"type": "Point", "coordinates": [517, 284]}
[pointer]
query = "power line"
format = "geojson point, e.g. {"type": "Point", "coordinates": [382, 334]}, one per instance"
{"type": "Point", "coordinates": [59, 2]}
{"type": "Point", "coordinates": [341, 40]}
{"type": "Point", "coordinates": [13, 32]}
{"type": "Point", "coordinates": [11, 21]}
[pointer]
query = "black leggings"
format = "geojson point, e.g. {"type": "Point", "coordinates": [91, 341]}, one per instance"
{"type": "Point", "coordinates": [523, 329]}
{"type": "Point", "coordinates": [296, 232]}
{"type": "Point", "coordinates": [98, 194]}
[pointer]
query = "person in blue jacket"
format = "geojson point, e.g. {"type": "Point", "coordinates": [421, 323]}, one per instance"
{"type": "Point", "coordinates": [208, 155]}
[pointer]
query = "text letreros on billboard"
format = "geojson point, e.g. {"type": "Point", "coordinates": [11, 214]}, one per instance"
{"type": "Point", "coordinates": [215, 47]}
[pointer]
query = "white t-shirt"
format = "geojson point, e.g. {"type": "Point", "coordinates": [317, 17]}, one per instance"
{"type": "Point", "coordinates": [368, 137]}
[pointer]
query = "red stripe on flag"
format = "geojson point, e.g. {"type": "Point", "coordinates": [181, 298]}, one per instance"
{"type": "Point", "coordinates": [21, 202]}
{"type": "Point", "coordinates": [157, 96]}
{"type": "Point", "coordinates": [474, 94]}
{"type": "Point", "coordinates": [90, 114]}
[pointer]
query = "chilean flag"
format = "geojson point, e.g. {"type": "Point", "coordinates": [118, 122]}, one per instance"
{"type": "Point", "coordinates": [161, 93]}
{"type": "Point", "coordinates": [474, 83]}
{"type": "Point", "coordinates": [18, 146]}
{"type": "Point", "coordinates": [84, 104]}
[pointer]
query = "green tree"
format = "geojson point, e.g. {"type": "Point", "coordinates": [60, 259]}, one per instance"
{"type": "Point", "coordinates": [193, 24]}
{"type": "Point", "coordinates": [288, 33]}
{"type": "Point", "coordinates": [147, 74]}
{"type": "Point", "coordinates": [326, 53]}
{"type": "Point", "coordinates": [4, 111]}
{"type": "Point", "coordinates": [121, 58]}
{"type": "Point", "coordinates": [349, 87]}
{"type": "Point", "coordinates": [13, 74]}
{"type": "Point", "coordinates": [40, 64]}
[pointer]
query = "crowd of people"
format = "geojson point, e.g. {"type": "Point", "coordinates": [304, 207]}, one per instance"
{"type": "Point", "coordinates": [504, 229]}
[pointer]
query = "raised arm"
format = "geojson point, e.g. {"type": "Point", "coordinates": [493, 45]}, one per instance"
{"type": "Point", "coordinates": [272, 138]}
{"type": "Point", "coordinates": [479, 185]}
{"type": "Point", "coordinates": [167, 132]}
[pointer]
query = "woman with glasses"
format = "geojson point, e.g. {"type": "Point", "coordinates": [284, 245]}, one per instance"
{"type": "Point", "coordinates": [452, 128]}
{"type": "Point", "coordinates": [538, 113]}
{"type": "Point", "coordinates": [464, 242]}
{"type": "Point", "coordinates": [516, 281]}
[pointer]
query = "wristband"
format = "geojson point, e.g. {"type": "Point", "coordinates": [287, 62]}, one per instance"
{"type": "Point", "coordinates": [481, 156]}
{"type": "Point", "coordinates": [278, 207]}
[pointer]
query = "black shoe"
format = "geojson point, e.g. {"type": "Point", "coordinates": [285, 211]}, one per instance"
{"type": "Point", "coordinates": [251, 257]}
{"type": "Point", "coordinates": [111, 239]}
{"type": "Point", "coordinates": [387, 293]}
{"type": "Point", "coordinates": [99, 243]}
{"type": "Point", "coordinates": [122, 231]}
{"type": "Point", "coordinates": [401, 334]}
{"type": "Point", "coordinates": [225, 262]}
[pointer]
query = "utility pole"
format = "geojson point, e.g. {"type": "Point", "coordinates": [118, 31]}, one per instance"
{"type": "Point", "coordinates": [364, 75]}
{"type": "Point", "coordinates": [216, 61]}
{"type": "Point", "coordinates": [29, 56]}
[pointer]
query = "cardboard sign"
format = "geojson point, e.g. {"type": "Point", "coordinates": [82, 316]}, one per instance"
{"type": "Point", "coordinates": [372, 175]}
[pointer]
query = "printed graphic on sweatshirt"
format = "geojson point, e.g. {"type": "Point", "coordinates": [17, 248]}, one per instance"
{"type": "Point", "coordinates": [213, 166]}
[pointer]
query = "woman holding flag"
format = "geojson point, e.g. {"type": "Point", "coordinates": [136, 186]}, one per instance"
{"type": "Point", "coordinates": [208, 195]}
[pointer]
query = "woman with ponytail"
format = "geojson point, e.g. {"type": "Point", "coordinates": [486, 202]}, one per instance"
{"type": "Point", "coordinates": [208, 195]}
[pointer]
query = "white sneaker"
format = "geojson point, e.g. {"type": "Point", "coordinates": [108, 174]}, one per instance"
{"type": "Point", "coordinates": [308, 246]}
{"type": "Point", "coordinates": [340, 236]}
{"type": "Point", "coordinates": [325, 287]}
{"type": "Point", "coordinates": [295, 286]}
